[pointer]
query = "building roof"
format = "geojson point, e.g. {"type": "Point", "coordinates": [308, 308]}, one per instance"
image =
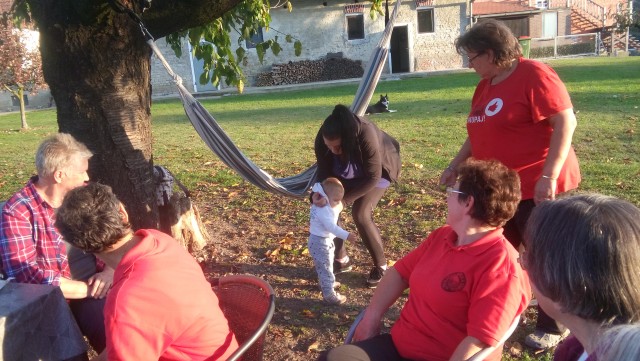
{"type": "Point", "coordinates": [501, 8]}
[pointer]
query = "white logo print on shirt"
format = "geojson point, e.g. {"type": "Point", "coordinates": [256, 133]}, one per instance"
{"type": "Point", "coordinates": [494, 106]}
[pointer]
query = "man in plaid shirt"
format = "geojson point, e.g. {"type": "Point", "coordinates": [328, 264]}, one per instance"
{"type": "Point", "coordinates": [32, 250]}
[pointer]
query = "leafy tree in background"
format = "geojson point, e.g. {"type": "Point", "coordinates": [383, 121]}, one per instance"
{"type": "Point", "coordinates": [21, 69]}
{"type": "Point", "coordinates": [628, 18]}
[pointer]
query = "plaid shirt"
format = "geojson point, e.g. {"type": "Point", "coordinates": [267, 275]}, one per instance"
{"type": "Point", "coordinates": [32, 250]}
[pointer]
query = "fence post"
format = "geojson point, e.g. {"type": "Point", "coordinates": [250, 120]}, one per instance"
{"type": "Point", "coordinates": [555, 46]}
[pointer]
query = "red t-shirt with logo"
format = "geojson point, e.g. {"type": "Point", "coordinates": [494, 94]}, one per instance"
{"type": "Point", "coordinates": [473, 290]}
{"type": "Point", "coordinates": [161, 306]}
{"type": "Point", "coordinates": [508, 122]}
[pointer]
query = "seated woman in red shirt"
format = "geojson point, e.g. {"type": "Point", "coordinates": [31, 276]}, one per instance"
{"type": "Point", "coordinates": [465, 281]}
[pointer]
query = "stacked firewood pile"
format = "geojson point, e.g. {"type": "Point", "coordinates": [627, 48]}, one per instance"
{"type": "Point", "coordinates": [307, 71]}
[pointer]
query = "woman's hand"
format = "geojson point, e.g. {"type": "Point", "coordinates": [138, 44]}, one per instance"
{"type": "Point", "coordinates": [545, 189]}
{"type": "Point", "coordinates": [367, 328]}
{"type": "Point", "coordinates": [448, 177]}
{"type": "Point", "coordinates": [100, 283]}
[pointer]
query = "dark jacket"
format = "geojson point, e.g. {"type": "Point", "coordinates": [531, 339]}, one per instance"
{"type": "Point", "coordinates": [378, 152]}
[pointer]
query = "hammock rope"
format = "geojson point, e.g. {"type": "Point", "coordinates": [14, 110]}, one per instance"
{"type": "Point", "coordinates": [219, 142]}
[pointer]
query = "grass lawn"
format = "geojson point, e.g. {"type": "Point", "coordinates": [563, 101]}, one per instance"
{"type": "Point", "coordinates": [276, 130]}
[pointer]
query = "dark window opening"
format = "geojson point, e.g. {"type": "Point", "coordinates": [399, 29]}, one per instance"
{"type": "Point", "coordinates": [425, 21]}
{"type": "Point", "coordinates": [355, 26]}
{"type": "Point", "coordinates": [255, 39]}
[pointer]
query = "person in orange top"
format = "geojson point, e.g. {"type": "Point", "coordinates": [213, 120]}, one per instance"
{"type": "Point", "coordinates": [160, 306]}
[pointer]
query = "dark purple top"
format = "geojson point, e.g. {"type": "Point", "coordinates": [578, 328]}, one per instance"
{"type": "Point", "coordinates": [570, 350]}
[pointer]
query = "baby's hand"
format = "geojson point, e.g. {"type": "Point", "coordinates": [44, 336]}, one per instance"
{"type": "Point", "coordinates": [353, 236]}
{"type": "Point", "coordinates": [318, 200]}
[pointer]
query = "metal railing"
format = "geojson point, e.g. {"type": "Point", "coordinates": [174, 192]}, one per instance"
{"type": "Point", "coordinates": [565, 46]}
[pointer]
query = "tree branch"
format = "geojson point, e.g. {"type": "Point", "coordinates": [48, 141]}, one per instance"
{"type": "Point", "coordinates": [169, 16]}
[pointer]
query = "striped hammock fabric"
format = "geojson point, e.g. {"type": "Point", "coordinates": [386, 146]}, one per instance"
{"type": "Point", "coordinates": [219, 142]}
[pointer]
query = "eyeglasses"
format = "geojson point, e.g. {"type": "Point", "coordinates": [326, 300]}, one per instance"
{"type": "Point", "coordinates": [474, 57]}
{"type": "Point", "coordinates": [451, 190]}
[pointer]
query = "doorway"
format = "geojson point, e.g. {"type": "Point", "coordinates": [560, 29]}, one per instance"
{"type": "Point", "coordinates": [400, 49]}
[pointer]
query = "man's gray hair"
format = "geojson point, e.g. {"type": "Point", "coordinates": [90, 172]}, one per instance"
{"type": "Point", "coordinates": [57, 152]}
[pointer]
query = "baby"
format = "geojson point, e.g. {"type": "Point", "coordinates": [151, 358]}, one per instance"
{"type": "Point", "coordinates": [323, 228]}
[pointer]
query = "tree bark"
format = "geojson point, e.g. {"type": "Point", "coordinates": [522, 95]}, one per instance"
{"type": "Point", "coordinates": [98, 69]}
{"type": "Point", "coordinates": [97, 65]}
{"type": "Point", "coordinates": [23, 111]}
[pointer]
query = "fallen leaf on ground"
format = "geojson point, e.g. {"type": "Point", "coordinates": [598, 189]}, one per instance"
{"type": "Point", "coordinates": [515, 349]}
{"type": "Point", "coordinates": [308, 314]}
{"type": "Point", "coordinates": [315, 346]}
{"type": "Point", "coordinates": [390, 263]}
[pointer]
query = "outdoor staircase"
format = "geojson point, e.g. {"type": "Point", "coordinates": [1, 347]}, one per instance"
{"type": "Point", "coordinates": [634, 43]}
{"type": "Point", "coordinates": [587, 16]}
{"type": "Point", "coordinates": [619, 42]}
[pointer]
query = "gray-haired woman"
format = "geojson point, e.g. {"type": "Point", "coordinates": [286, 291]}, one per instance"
{"type": "Point", "coordinates": [583, 258]}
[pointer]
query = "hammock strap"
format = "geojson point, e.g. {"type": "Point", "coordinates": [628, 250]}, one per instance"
{"type": "Point", "coordinates": [219, 142]}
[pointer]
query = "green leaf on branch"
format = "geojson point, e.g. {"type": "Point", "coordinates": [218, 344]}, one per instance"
{"type": "Point", "coordinates": [224, 59]}
{"type": "Point", "coordinates": [298, 47]}
{"type": "Point", "coordinates": [260, 52]}
{"type": "Point", "coordinates": [204, 78]}
{"type": "Point", "coordinates": [240, 52]}
{"type": "Point", "coordinates": [276, 48]}
{"type": "Point", "coordinates": [240, 86]}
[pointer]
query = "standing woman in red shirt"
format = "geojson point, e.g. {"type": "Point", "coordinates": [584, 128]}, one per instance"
{"type": "Point", "coordinates": [521, 114]}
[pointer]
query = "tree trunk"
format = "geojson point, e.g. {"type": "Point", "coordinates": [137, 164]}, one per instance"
{"type": "Point", "coordinates": [97, 66]}
{"type": "Point", "coordinates": [23, 111]}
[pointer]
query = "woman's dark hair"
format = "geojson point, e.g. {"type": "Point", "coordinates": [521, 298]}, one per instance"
{"type": "Point", "coordinates": [341, 124]}
{"type": "Point", "coordinates": [583, 252]}
{"type": "Point", "coordinates": [494, 187]}
{"type": "Point", "coordinates": [89, 218]}
{"type": "Point", "coordinates": [490, 35]}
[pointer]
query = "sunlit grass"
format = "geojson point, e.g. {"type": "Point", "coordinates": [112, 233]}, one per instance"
{"type": "Point", "coordinates": [276, 130]}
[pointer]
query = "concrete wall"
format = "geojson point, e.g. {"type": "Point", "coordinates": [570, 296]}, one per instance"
{"type": "Point", "coordinates": [40, 100]}
{"type": "Point", "coordinates": [435, 51]}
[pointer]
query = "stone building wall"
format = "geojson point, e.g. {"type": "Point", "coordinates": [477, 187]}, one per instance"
{"type": "Point", "coordinates": [161, 82]}
{"type": "Point", "coordinates": [323, 29]}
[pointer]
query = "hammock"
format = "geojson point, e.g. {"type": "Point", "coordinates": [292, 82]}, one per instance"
{"type": "Point", "coordinates": [219, 142]}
